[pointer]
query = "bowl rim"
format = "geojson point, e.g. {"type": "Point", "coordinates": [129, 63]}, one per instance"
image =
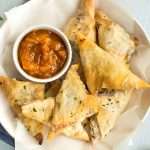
{"type": "Point", "coordinates": [59, 33]}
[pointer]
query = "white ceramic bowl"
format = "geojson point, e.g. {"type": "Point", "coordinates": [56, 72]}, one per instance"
{"type": "Point", "coordinates": [54, 77]}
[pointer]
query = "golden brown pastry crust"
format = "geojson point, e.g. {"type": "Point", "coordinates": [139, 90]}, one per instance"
{"type": "Point", "coordinates": [113, 38]}
{"type": "Point", "coordinates": [72, 103]}
{"type": "Point", "coordinates": [76, 131]}
{"type": "Point", "coordinates": [20, 93]}
{"type": "Point", "coordinates": [39, 110]}
{"type": "Point", "coordinates": [101, 70]}
{"type": "Point", "coordinates": [83, 21]}
{"type": "Point", "coordinates": [68, 99]}
{"type": "Point", "coordinates": [111, 106]}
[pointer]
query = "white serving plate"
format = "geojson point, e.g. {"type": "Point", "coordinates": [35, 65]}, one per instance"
{"type": "Point", "coordinates": [114, 11]}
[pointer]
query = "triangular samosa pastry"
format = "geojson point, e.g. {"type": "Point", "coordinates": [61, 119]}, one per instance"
{"type": "Point", "coordinates": [113, 38]}
{"type": "Point", "coordinates": [83, 21]}
{"type": "Point", "coordinates": [111, 106]}
{"type": "Point", "coordinates": [40, 110]}
{"type": "Point", "coordinates": [72, 103]}
{"type": "Point", "coordinates": [72, 99]}
{"type": "Point", "coordinates": [20, 93]}
{"type": "Point", "coordinates": [102, 70]}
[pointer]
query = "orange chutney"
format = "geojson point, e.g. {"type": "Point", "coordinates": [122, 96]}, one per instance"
{"type": "Point", "coordinates": [42, 53]}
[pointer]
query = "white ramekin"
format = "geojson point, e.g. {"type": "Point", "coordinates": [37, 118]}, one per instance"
{"type": "Point", "coordinates": [54, 77]}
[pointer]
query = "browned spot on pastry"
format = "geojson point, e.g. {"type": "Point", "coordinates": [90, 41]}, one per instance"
{"type": "Point", "coordinates": [39, 138]}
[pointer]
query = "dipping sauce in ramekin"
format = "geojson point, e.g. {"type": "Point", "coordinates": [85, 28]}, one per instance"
{"type": "Point", "coordinates": [42, 54]}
